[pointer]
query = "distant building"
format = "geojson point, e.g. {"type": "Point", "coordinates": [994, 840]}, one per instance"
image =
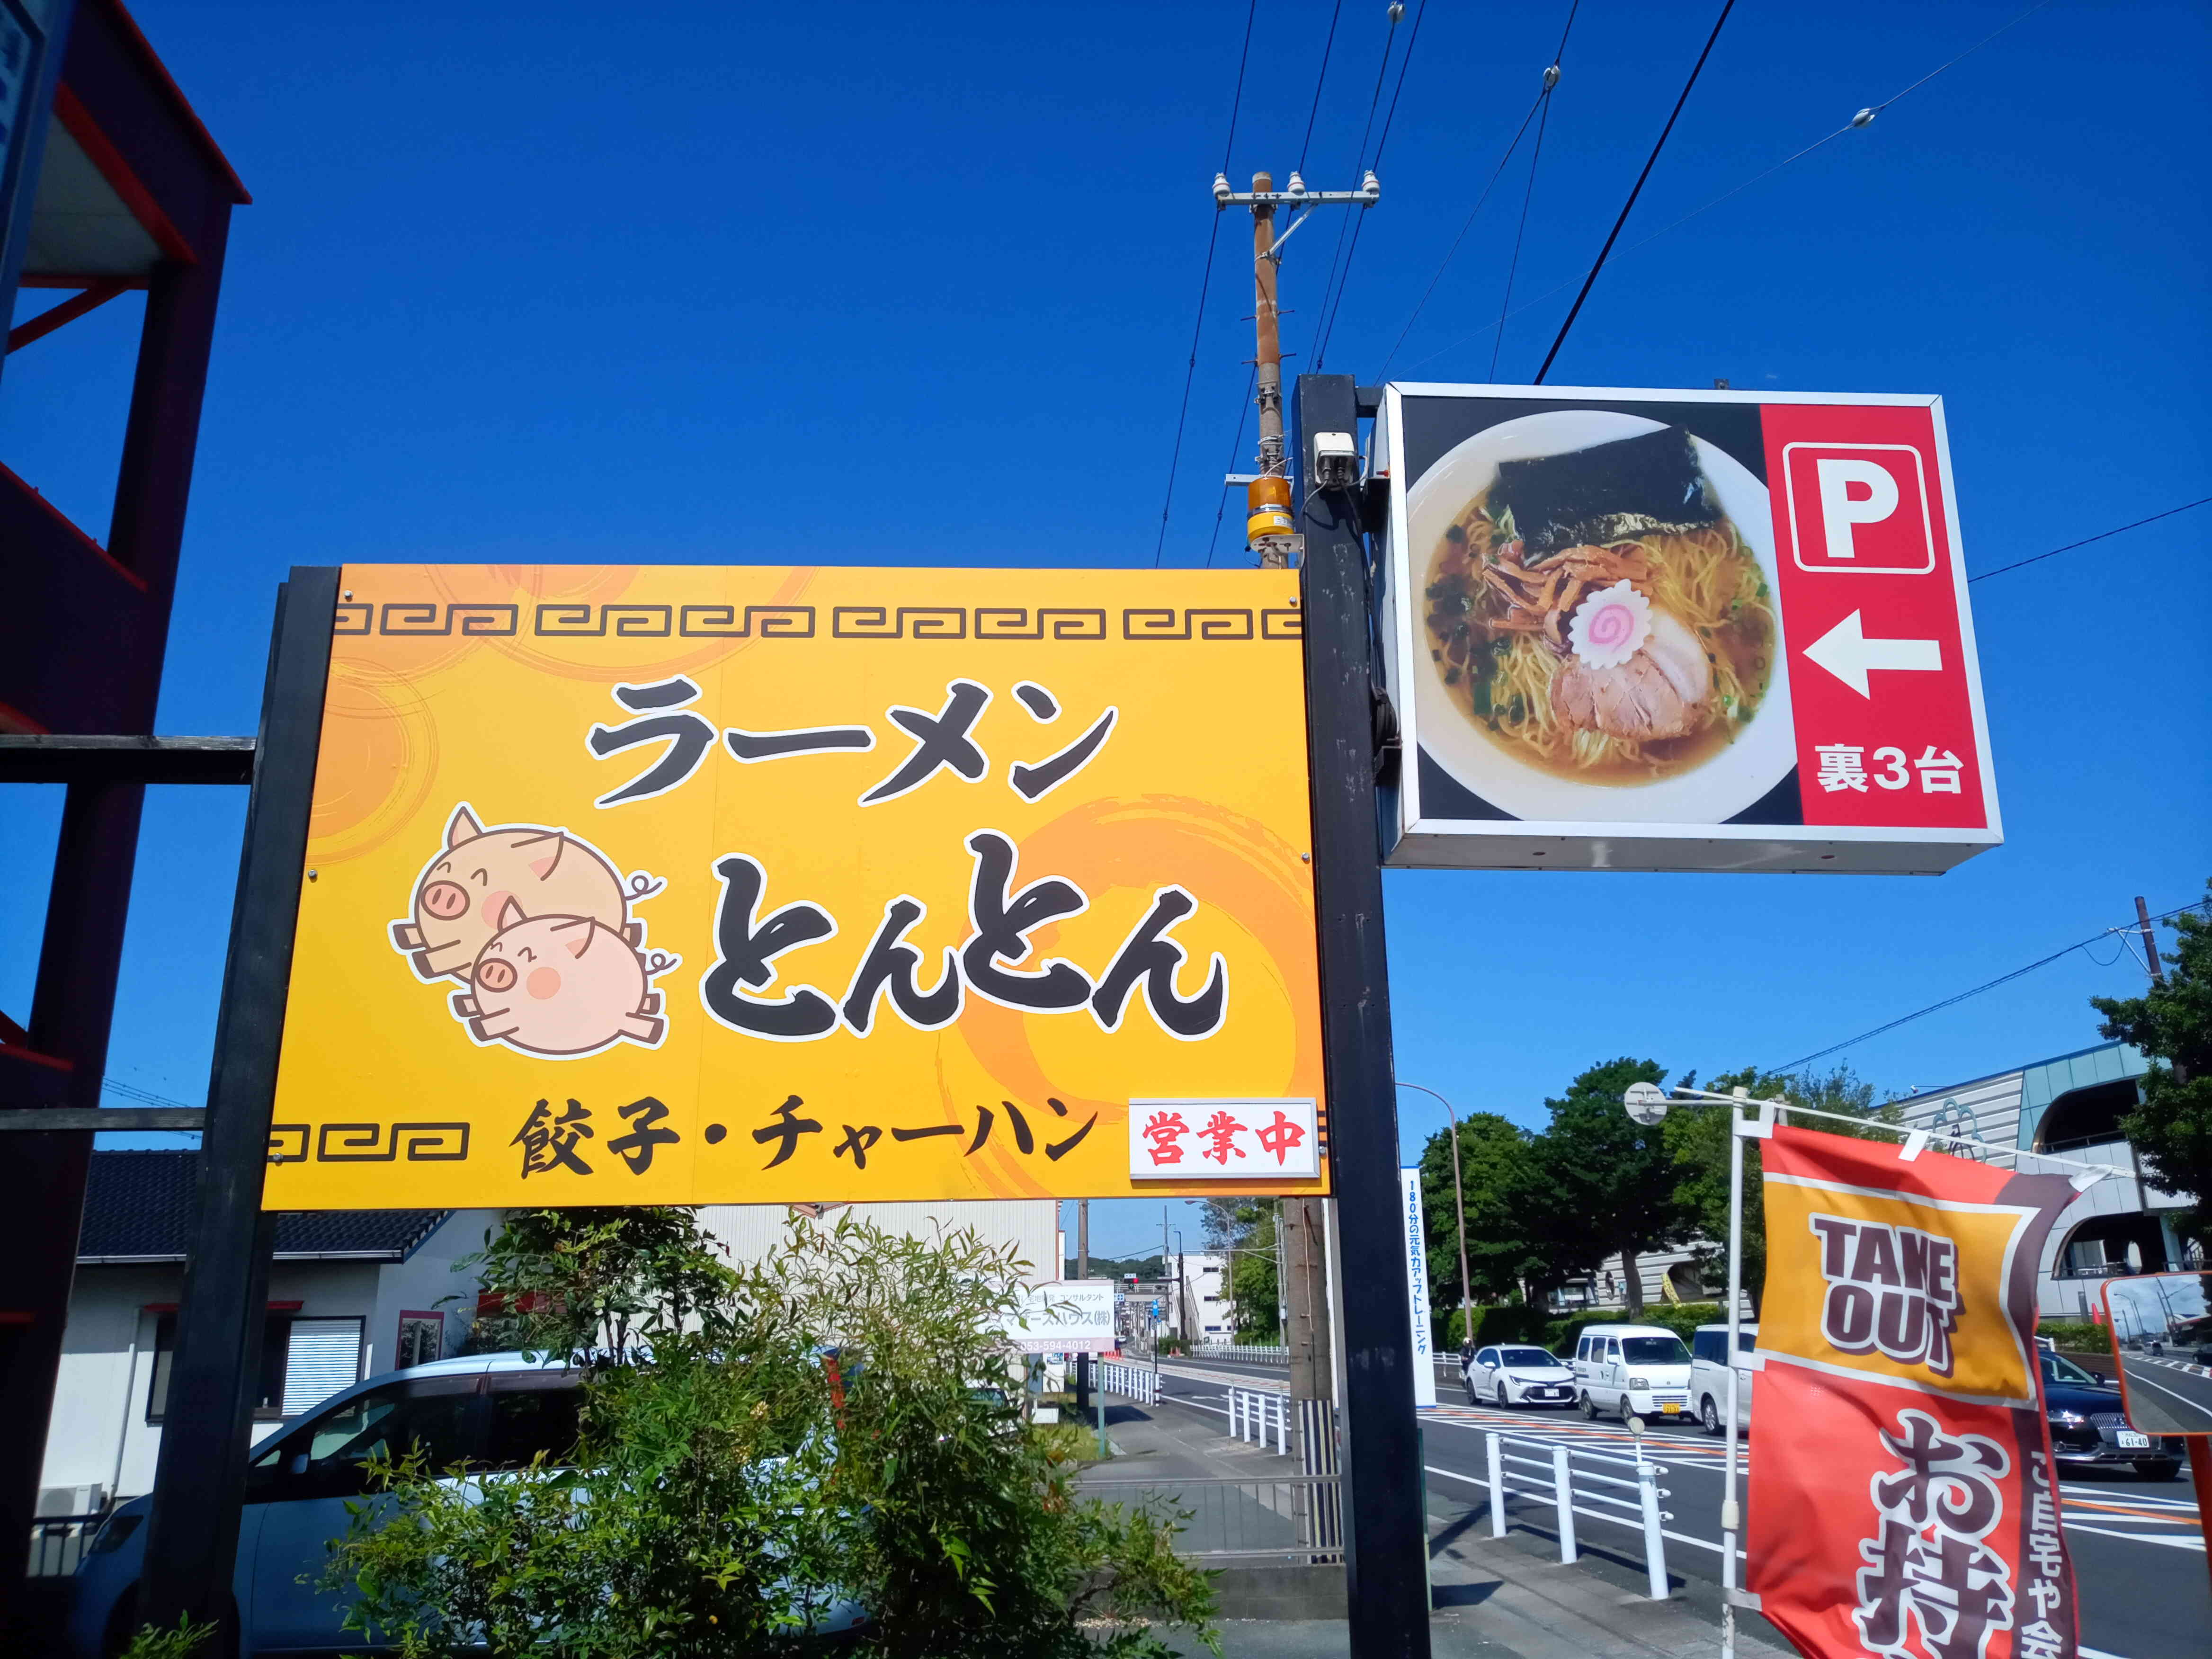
{"type": "Point", "coordinates": [1201, 1302]}
{"type": "Point", "coordinates": [755, 1232]}
{"type": "Point", "coordinates": [2071, 1105]}
{"type": "Point", "coordinates": [350, 1293]}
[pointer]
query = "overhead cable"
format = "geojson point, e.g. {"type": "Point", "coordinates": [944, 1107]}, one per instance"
{"type": "Point", "coordinates": [1864, 119]}
{"type": "Point", "coordinates": [1629, 206]}
{"type": "Point", "coordinates": [1237, 448]}
{"type": "Point", "coordinates": [2021, 565]}
{"type": "Point", "coordinates": [1496, 173]}
{"type": "Point", "coordinates": [1413, 40]}
{"type": "Point", "coordinates": [1205, 281]}
{"type": "Point", "coordinates": [1320, 81]}
{"type": "Point", "coordinates": [1359, 166]}
{"type": "Point", "coordinates": [1521, 231]}
{"type": "Point", "coordinates": [2001, 979]}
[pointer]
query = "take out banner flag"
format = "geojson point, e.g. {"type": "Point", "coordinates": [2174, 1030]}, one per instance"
{"type": "Point", "coordinates": [744, 884]}
{"type": "Point", "coordinates": [1903, 1500]}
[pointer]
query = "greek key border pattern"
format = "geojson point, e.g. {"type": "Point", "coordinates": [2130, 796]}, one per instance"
{"type": "Point", "coordinates": [369, 1143]}
{"type": "Point", "coordinates": [582, 620]}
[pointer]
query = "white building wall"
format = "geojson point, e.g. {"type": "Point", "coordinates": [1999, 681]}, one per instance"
{"type": "Point", "coordinates": [424, 1280]}
{"type": "Point", "coordinates": [755, 1232]}
{"type": "Point", "coordinates": [98, 1435]}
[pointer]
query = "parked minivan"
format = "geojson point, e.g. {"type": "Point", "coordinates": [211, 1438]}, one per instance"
{"type": "Point", "coordinates": [1632, 1371]}
{"type": "Point", "coordinates": [1709, 1375]}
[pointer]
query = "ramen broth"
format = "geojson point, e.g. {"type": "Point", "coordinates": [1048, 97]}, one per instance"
{"type": "Point", "coordinates": [1501, 678]}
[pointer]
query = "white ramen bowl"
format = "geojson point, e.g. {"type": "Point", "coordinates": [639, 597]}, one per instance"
{"type": "Point", "coordinates": [1711, 792]}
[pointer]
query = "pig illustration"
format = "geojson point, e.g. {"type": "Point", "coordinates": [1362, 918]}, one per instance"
{"type": "Point", "coordinates": [462, 891]}
{"type": "Point", "coordinates": [559, 986]}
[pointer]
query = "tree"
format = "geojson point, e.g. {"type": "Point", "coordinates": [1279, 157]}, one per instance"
{"type": "Point", "coordinates": [1697, 1139]}
{"type": "Point", "coordinates": [1599, 1183]}
{"type": "Point", "coordinates": [1247, 1231]}
{"type": "Point", "coordinates": [731, 1487]}
{"type": "Point", "coordinates": [1502, 1248]}
{"type": "Point", "coordinates": [2171, 1127]}
{"type": "Point", "coordinates": [592, 1281]}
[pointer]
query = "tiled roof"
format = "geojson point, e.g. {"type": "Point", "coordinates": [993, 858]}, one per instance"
{"type": "Point", "coordinates": [139, 1205]}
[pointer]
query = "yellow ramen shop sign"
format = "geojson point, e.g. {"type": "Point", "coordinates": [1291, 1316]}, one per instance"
{"type": "Point", "coordinates": [667, 886]}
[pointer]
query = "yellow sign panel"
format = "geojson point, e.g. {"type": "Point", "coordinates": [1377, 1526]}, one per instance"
{"type": "Point", "coordinates": [1894, 1287]}
{"type": "Point", "coordinates": [667, 886]}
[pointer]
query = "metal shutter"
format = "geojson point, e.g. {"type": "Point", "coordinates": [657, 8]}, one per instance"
{"type": "Point", "coordinates": [323, 1356]}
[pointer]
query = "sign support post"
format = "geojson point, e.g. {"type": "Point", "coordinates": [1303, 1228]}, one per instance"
{"type": "Point", "coordinates": [1386, 1541]}
{"type": "Point", "coordinates": [191, 1538]}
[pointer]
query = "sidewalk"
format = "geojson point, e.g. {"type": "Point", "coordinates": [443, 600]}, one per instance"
{"type": "Point", "coordinates": [1509, 1598]}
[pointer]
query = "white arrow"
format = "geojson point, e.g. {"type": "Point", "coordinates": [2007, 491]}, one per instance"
{"type": "Point", "coordinates": [1845, 652]}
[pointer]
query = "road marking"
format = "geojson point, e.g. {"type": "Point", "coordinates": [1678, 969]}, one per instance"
{"type": "Point", "coordinates": [2138, 1537]}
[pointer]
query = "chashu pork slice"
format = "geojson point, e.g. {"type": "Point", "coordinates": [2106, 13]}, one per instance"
{"type": "Point", "coordinates": [1659, 692]}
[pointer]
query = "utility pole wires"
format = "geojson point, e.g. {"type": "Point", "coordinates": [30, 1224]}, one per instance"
{"type": "Point", "coordinates": [1629, 206]}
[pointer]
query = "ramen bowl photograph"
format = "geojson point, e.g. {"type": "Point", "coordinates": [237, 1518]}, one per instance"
{"type": "Point", "coordinates": [1600, 634]}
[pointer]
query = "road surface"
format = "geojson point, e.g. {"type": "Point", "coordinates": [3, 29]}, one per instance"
{"type": "Point", "coordinates": [2137, 1546]}
{"type": "Point", "coordinates": [2167, 1396]}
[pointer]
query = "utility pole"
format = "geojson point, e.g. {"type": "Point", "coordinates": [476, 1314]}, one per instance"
{"type": "Point", "coordinates": [1082, 1271]}
{"type": "Point", "coordinates": [2150, 942]}
{"type": "Point", "coordinates": [1270, 530]}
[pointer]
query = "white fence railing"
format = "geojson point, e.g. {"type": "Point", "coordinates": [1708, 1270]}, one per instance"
{"type": "Point", "coordinates": [1252, 1353]}
{"type": "Point", "coordinates": [1567, 1478]}
{"type": "Point", "coordinates": [1254, 1413]}
{"type": "Point", "coordinates": [1137, 1382]}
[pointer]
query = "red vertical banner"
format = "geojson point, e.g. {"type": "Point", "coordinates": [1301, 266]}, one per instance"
{"type": "Point", "coordinates": [1903, 1500]}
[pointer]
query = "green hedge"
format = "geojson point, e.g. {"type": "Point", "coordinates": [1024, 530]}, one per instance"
{"type": "Point", "coordinates": [2076, 1335]}
{"type": "Point", "coordinates": [1517, 1323]}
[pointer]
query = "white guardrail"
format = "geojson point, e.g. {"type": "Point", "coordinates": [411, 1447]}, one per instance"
{"type": "Point", "coordinates": [1252, 1353]}
{"type": "Point", "coordinates": [1255, 1412]}
{"type": "Point", "coordinates": [1137, 1382]}
{"type": "Point", "coordinates": [1561, 1476]}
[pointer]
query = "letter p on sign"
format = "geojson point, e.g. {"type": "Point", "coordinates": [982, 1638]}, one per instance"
{"type": "Point", "coordinates": [1858, 508]}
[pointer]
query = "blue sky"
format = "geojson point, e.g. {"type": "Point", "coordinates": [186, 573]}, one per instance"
{"type": "Point", "coordinates": [867, 284]}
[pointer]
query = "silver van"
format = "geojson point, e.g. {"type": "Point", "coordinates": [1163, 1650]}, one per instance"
{"type": "Point", "coordinates": [1632, 1371]}
{"type": "Point", "coordinates": [1709, 1375]}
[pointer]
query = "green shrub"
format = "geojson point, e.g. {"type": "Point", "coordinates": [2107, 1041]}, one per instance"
{"type": "Point", "coordinates": [723, 1496]}
{"type": "Point", "coordinates": [2076, 1335]}
{"type": "Point", "coordinates": [186, 1641]}
{"type": "Point", "coordinates": [1680, 1317]}
{"type": "Point", "coordinates": [1511, 1322]}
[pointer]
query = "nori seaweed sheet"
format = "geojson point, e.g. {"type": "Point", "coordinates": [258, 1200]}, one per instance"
{"type": "Point", "coordinates": [1632, 486]}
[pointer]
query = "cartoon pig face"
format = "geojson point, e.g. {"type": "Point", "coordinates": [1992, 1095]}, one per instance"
{"type": "Point", "coordinates": [559, 985]}
{"type": "Point", "coordinates": [462, 894]}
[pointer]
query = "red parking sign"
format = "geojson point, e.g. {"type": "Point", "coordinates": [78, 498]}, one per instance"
{"type": "Point", "coordinates": [1881, 694]}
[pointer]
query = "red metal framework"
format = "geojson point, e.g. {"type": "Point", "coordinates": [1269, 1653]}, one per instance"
{"type": "Point", "coordinates": [134, 194]}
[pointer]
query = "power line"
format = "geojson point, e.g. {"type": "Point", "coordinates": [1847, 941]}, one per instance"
{"type": "Point", "coordinates": [1413, 40]}
{"type": "Point", "coordinates": [132, 1091]}
{"type": "Point", "coordinates": [1320, 81]}
{"type": "Point", "coordinates": [1521, 232]}
{"type": "Point", "coordinates": [1496, 173]}
{"type": "Point", "coordinates": [2100, 536]}
{"type": "Point", "coordinates": [1237, 448]}
{"type": "Point", "coordinates": [1205, 281]}
{"type": "Point", "coordinates": [1629, 206]}
{"type": "Point", "coordinates": [2001, 979]}
{"type": "Point", "coordinates": [1869, 112]}
{"type": "Point", "coordinates": [1374, 103]}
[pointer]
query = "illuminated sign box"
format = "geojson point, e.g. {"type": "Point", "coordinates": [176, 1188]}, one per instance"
{"type": "Point", "coordinates": [1679, 630]}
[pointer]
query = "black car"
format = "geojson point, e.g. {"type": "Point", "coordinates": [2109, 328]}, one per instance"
{"type": "Point", "coordinates": [2089, 1429]}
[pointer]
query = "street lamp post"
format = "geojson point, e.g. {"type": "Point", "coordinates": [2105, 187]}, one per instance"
{"type": "Point", "coordinates": [1459, 1205]}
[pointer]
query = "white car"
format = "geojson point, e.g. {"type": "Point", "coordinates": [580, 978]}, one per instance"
{"type": "Point", "coordinates": [1632, 1370]}
{"type": "Point", "coordinates": [1503, 1375]}
{"type": "Point", "coordinates": [1709, 1376]}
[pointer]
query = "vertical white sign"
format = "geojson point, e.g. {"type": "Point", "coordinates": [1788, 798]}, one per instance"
{"type": "Point", "coordinates": [1417, 1288]}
